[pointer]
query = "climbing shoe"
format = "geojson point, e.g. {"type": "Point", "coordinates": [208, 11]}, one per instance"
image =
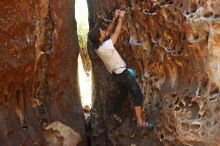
{"type": "Point", "coordinates": [145, 125]}
{"type": "Point", "coordinates": [116, 118]}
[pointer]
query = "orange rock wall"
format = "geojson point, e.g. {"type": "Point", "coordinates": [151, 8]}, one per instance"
{"type": "Point", "coordinates": [174, 48]}
{"type": "Point", "coordinates": [38, 71]}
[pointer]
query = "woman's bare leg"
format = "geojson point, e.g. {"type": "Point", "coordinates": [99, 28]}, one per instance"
{"type": "Point", "coordinates": [138, 114]}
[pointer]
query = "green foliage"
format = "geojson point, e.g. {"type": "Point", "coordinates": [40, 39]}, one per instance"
{"type": "Point", "coordinates": [82, 35]}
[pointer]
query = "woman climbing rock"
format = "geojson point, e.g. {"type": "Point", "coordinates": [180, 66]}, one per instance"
{"type": "Point", "coordinates": [103, 42]}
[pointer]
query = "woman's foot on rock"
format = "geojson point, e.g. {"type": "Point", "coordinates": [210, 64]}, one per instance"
{"type": "Point", "coordinates": [145, 125]}
{"type": "Point", "coordinates": [116, 118]}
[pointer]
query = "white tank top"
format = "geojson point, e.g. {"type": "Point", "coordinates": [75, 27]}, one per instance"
{"type": "Point", "coordinates": [111, 58]}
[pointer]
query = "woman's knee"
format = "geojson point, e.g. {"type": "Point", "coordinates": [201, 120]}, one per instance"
{"type": "Point", "coordinates": [138, 101]}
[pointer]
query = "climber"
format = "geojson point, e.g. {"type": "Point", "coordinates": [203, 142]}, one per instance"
{"type": "Point", "coordinates": [104, 43]}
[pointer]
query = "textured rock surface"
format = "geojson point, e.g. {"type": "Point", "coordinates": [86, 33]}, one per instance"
{"type": "Point", "coordinates": [59, 134]}
{"type": "Point", "coordinates": [85, 59]}
{"type": "Point", "coordinates": [38, 70]}
{"type": "Point", "coordinates": [174, 48]}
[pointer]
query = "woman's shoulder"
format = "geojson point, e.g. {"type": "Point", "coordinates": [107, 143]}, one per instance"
{"type": "Point", "coordinates": [106, 45]}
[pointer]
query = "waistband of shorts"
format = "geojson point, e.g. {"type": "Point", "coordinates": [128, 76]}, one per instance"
{"type": "Point", "coordinates": [113, 73]}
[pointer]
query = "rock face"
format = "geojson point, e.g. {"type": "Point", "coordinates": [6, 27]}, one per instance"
{"type": "Point", "coordinates": [60, 134]}
{"type": "Point", "coordinates": [38, 71]}
{"type": "Point", "coordinates": [174, 48]}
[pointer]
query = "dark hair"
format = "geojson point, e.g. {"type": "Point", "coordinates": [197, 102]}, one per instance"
{"type": "Point", "coordinates": [93, 36]}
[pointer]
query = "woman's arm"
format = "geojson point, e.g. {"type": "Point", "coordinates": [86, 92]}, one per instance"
{"type": "Point", "coordinates": [118, 29]}
{"type": "Point", "coordinates": [111, 25]}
